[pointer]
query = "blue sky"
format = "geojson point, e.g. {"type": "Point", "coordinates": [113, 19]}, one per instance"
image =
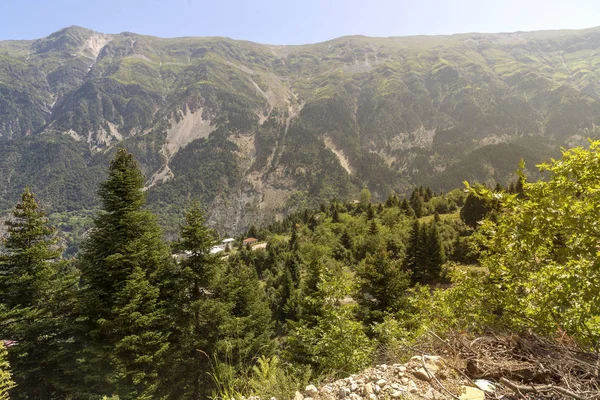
{"type": "Point", "coordinates": [292, 22]}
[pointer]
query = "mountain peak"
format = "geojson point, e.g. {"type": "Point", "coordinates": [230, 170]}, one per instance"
{"type": "Point", "coordinates": [66, 39]}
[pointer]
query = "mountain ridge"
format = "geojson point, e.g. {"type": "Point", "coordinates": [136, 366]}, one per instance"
{"type": "Point", "coordinates": [268, 128]}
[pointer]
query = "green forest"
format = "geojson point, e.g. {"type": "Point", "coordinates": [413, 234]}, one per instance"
{"type": "Point", "coordinates": [331, 290]}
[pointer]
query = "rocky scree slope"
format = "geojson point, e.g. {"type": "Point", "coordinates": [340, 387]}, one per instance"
{"type": "Point", "coordinates": [254, 130]}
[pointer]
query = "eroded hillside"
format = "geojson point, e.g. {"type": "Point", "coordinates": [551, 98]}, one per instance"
{"type": "Point", "coordinates": [254, 130]}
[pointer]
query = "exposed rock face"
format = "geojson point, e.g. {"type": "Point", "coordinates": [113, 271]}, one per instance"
{"type": "Point", "coordinates": [255, 130]}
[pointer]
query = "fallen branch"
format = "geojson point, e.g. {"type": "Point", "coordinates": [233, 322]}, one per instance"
{"type": "Point", "coordinates": [519, 389]}
{"type": "Point", "coordinates": [436, 379]}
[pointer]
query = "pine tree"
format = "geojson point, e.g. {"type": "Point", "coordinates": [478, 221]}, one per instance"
{"type": "Point", "coordinates": [427, 194]}
{"type": "Point", "coordinates": [6, 382]}
{"type": "Point", "coordinates": [406, 208]}
{"type": "Point", "coordinates": [335, 215]}
{"type": "Point", "coordinates": [392, 201]}
{"type": "Point", "coordinates": [248, 328]}
{"type": "Point", "coordinates": [373, 228]}
{"type": "Point", "coordinates": [382, 286]}
{"type": "Point", "coordinates": [36, 298]}
{"type": "Point", "coordinates": [199, 312]}
{"type": "Point", "coordinates": [346, 241]}
{"type": "Point", "coordinates": [412, 257]}
{"type": "Point", "coordinates": [436, 257]}
{"type": "Point", "coordinates": [126, 272]}
{"type": "Point", "coordinates": [416, 202]}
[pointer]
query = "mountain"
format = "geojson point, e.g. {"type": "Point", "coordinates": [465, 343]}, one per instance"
{"type": "Point", "coordinates": [255, 130]}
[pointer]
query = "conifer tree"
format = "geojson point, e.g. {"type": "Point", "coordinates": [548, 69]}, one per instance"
{"type": "Point", "coordinates": [382, 285]}
{"type": "Point", "coordinates": [436, 256]}
{"type": "Point", "coordinates": [6, 382]}
{"type": "Point", "coordinates": [199, 312]}
{"type": "Point", "coordinates": [416, 202]}
{"type": "Point", "coordinates": [248, 328]}
{"type": "Point", "coordinates": [126, 270]}
{"type": "Point", "coordinates": [36, 298]}
{"type": "Point", "coordinates": [406, 208]}
{"type": "Point", "coordinates": [412, 257]}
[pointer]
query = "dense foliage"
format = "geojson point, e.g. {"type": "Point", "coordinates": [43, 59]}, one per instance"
{"type": "Point", "coordinates": [324, 292]}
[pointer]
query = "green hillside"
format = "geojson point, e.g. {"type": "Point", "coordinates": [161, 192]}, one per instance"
{"type": "Point", "coordinates": [258, 130]}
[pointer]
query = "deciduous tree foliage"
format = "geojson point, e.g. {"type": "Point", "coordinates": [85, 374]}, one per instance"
{"type": "Point", "coordinates": [542, 253]}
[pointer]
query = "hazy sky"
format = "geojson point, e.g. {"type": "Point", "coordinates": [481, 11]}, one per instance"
{"type": "Point", "coordinates": [292, 22]}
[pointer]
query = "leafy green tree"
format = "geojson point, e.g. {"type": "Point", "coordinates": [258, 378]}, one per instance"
{"type": "Point", "coordinates": [126, 272]}
{"type": "Point", "coordinates": [6, 382]}
{"type": "Point", "coordinates": [365, 197]}
{"type": "Point", "coordinates": [327, 336]}
{"type": "Point", "coordinates": [542, 253]}
{"type": "Point", "coordinates": [36, 298]}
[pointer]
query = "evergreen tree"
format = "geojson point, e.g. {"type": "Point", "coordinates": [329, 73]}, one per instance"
{"type": "Point", "coordinates": [199, 311]}
{"type": "Point", "coordinates": [126, 272]}
{"type": "Point", "coordinates": [412, 257]}
{"type": "Point", "coordinates": [427, 194]}
{"type": "Point", "coordinates": [247, 330]}
{"type": "Point", "coordinates": [416, 202]}
{"type": "Point", "coordinates": [346, 241]}
{"type": "Point", "coordinates": [425, 253]}
{"type": "Point", "coordinates": [373, 228]}
{"type": "Point", "coordinates": [36, 298]}
{"type": "Point", "coordinates": [406, 208]}
{"type": "Point", "coordinates": [335, 216]}
{"type": "Point", "coordinates": [520, 185]}
{"type": "Point", "coordinates": [392, 201]}
{"type": "Point", "coordinates": [436, 257]}
{"type": "Point", "coordinates": [370, 212]}
{"type": "Point", "coordinates": [293, 244]}
{"type": "Point", "coordinates": [252, 232]}
{"type": "Point", "coordinates": [382, 285]}
{"type": "Point", "coordinates": [6, 382]}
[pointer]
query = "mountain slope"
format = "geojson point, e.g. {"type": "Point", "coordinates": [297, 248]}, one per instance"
{"type": "Point", "coordinates": [254, 130]}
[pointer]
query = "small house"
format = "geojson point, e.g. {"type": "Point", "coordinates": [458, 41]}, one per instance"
{"type": "Point", "coordinates": [250, 241]}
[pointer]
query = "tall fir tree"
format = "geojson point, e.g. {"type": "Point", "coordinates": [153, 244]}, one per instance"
{"type": "Point", "coordinates": [199, 313]}
{"type": "Point", "coordinates": [37, 294]}
{"type": "Point", "coordinates": [6, 382]}
{"type": "Point", "coordinates": [127, 272]}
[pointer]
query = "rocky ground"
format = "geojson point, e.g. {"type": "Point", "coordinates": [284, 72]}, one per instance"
{"type": "Point", "coordinates": [422, 377]}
